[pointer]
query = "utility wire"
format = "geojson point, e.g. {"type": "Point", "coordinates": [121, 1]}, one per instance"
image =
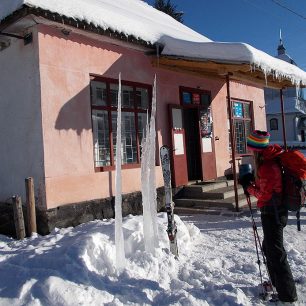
{"type": "Point", "coordinates": [288, 9]}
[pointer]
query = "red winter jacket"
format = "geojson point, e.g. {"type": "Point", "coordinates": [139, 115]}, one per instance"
{"type": "Point", "coordinates": [269, 177]}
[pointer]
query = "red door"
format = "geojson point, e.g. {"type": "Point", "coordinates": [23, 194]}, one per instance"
{"type": "Point", "coordinates": [179, 160]}
{"type": "Point", "coordinates": [209, 170]}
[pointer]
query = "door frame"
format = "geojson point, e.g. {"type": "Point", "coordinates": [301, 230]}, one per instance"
{"type": "Point", "coordinates": [206, 158]}
{"type": "Point", "coordinates": [199, 148]}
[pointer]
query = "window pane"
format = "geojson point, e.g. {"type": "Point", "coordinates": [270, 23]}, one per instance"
{"type": "Point", "coordinates": [242, 124]}
{"type": "Point", "coordinates": [186, 97]}
{"type": "Point", "coordinates": [114, 94]}
{"type": "Point", "coordinates": [101, 138]}
{"type": "Point", "coordinates": [273, 124]}
{"type": "Point", "coordinates": [177, 119]}
{"type": "Point", "coordinates": [196, 98]}
{"type": "Point", "coordinates": [246, 110]}
{"type": "Point", "coordinates": [142, 98]}
{"type": "Point", "coordinates": [238, 110]}
{"type": "Point", "coordinates": [98, 93]}
{"type": "Point", "coordinates": [142, 122]}
{"type": "Point", "coordinates": [205, 100]}
{"type": "Point", "coordinates": [128, 137]}
{"type": "Point", "coordinates": [240, 137]}
{"type": "Point", "coordinates": [247, 129]}
{"type": "Point", "coordinates": [127, 95]}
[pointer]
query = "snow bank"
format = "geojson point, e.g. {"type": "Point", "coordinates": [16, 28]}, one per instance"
{"type": "Point", "coordinates": [77, 266]}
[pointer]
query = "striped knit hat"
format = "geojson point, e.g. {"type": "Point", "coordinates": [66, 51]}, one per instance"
{"type": "Point", "coordinates": [258, 140]}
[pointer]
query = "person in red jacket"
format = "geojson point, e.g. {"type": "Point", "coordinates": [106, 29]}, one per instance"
{"type": "Point", "coordinates": [267, 188]}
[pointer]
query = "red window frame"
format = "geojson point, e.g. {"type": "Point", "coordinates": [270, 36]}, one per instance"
{"type": "Point", "coordinates": [111, 109]}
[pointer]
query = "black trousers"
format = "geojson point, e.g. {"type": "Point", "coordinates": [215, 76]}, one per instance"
{"type": "Point", "coordinates": [273, 224]}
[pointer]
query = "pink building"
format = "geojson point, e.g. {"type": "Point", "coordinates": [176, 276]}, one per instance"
{"type": "Point", "coordinates": [59, 90]}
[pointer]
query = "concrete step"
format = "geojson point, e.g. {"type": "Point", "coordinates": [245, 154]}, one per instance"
{"type": "Point", "coordinates": [227, 203]}
{"type": "Point", "coordinates": [208, 211]}
{"type": "Point", "coordinates": [212, 185]}
{"type": "Point", "coordinates": [216, 193]}
{"type": "Point", "coordinates": [222, 193]}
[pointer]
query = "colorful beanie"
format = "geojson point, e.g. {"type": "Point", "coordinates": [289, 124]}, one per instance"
{"type": "Point", "coordinates": [258, 140]}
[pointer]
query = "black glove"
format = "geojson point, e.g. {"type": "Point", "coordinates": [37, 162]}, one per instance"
{"type": "Point", "coordinates": [245, 182]}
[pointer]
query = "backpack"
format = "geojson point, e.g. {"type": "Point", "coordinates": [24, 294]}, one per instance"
{"type": "Point", "coordinates": [293, 165]}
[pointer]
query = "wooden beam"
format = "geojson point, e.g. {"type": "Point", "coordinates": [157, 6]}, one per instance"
{"type": "Point", "coordinates": [241, 72]}
{"type": "Point", "coordinates": [194, 72]}
{"type": "Point", "coordinates": [18, 217]}
{"type": "Point", "coordinates": [207, 65]}
{"type": "Point", "coordinates": [30, 202]}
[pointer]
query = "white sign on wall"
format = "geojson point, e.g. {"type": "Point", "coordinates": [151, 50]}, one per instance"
{"type": "Point", "coordinates": [178, 144]}
{"type": "Point", "coordinates": [206, 144]}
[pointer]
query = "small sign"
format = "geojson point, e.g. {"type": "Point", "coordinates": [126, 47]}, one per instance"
{"type": "Point", "coordinates": [178, 144]}
{"type": "Point", "coordinates": [206, 145]}
{"type": "Point", "coordinates": [238, 110]}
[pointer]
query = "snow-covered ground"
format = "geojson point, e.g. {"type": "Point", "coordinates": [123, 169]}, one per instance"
{"type": "Point", "coordinates": [76, 266]}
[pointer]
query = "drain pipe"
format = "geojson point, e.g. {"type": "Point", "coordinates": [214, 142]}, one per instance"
{"type": "Point", "coordinates": [229, 107]}
{"type": "Point", "coordinates": [283, 118]}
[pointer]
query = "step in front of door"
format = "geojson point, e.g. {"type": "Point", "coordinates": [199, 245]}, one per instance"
{"type": "Point", "coordinates": [228, 203]}
{"type": "Point", "coordinates": [220, 193]}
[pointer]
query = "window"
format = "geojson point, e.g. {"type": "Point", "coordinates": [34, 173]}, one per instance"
{"type": "Point", "coordinates": [273, 124]}
{"type": "Point", "coordinates": [242, 124]}
{"type": "Point", "coordinates": [196, 97]}
{"type": "Point", "coordinates": [135, 106]}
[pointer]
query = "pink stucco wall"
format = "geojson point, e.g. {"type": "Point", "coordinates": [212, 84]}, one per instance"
{"type": "Point", "coordinates": [66, 63]}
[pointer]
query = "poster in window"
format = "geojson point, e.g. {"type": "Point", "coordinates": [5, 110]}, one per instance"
{"type": "Point", "coordinates": [196, 98]}
{"type": "Point", "coordinates": [186, 98]}
{"type": "Point", "coordinates": [206, 124]}
{"type": "Point", "coordinates": [238, 110]}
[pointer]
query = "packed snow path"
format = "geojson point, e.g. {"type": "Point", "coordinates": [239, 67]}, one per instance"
{"type": "Point", "coordinates": [76, 266]}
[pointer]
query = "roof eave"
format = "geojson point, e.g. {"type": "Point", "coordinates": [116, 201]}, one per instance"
{"type": "Point", "coordinates": [238, 70]}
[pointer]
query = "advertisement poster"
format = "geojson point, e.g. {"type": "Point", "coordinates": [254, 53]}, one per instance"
{"type": "Point", "coordinates": [206, 123]}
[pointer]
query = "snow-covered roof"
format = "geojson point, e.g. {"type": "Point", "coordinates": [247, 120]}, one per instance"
{"type": "Point", "coordinates": [239, 53]}
{"type": "Point", "coordinates": [137, 18]}
{"type": "Point", "coordinates": [130, 17]}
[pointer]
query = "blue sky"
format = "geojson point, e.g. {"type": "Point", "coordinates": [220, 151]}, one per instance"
{"type": "Point", "coordinates": [256, 22]}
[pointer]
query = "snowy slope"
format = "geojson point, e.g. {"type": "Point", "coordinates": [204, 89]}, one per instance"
{"type": "Point", "coordinates": [76, 266]}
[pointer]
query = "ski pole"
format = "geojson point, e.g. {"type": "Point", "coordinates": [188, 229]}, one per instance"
{"type": "Point", "coordinates": [255, 230]}
{"type": "Point", "coordinates": [257, 238]}
{"type": "Point", "coordinates": [298, 220]}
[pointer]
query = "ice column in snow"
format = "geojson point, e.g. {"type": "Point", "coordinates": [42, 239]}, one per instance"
{"type": "Point", "coordinates": [119, 240]}
{"type": "Point", "coordinates": [148, 182]}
